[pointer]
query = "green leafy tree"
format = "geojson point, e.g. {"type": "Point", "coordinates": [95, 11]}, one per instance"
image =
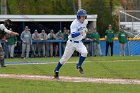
{"type": "Point", "coordinates": [103, 8]}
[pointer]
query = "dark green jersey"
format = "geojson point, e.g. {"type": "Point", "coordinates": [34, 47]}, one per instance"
{"type": "Point", "coordinates": [89, 35]}
{"type": "Point", "coordinates": [122, 37]}
{"type": "Point", "coordinates": [109, 35]}
{"type": "Point", "coordinates": [96, 37]}
{"type": "Point", "coordinates": [65, 36]}
{"type": "Point", "coordinates": [12, 40]}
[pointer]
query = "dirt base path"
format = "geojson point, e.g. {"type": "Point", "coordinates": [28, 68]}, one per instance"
{"type": "Point", "coordinates": [72, 79]}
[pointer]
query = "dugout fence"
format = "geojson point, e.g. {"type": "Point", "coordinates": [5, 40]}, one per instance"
{"type": "Point", "coordinates": [132, 46]}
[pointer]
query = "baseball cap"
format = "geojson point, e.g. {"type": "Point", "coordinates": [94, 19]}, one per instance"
{"type": "Point", "coordinates": [51, 31]}
{"type": "Point", "coordinates": [60, 31]}
{"type": "Point", "coordinates": [35, 31]}
{"type": "Point", "coordinates": [43, 30]}
{"type": "Point", "coordinates": [110, 25]}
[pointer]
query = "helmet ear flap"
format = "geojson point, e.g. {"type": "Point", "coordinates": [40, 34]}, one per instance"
{"type": "Point", "coordinates": [78, 17]}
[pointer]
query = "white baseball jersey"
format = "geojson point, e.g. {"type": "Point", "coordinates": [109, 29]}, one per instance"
{"type": "Point", "coordinates": [76, 26]}
{"type": "Point", "coordinates": [71, 45]}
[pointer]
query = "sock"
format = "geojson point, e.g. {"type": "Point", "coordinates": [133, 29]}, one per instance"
{"type": "Point", "coordinates": [58, 67]}
{"type": "Point", "coordinates": [81, 60]}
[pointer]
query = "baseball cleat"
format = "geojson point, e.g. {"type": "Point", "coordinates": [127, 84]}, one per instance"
{"type": "Point", "coordinates": [80, 69]}
{"type": "Point", "coordinates": [3, 66]}
{"type": "Point", "coordinates": [56, 75]}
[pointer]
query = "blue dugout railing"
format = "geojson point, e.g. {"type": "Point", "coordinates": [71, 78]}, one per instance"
{"type": "Point", "coordinates": [132, 46]}
{"type": "Point", "coordinates": [59, 44]}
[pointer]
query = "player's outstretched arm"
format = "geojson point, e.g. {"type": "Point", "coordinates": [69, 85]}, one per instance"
{"type": "Point", "coordinates": [10, 32]}
{"type": "Point", "coordinates": [14, 33]}
{"type": "Point", "coordinates": [2, 27]}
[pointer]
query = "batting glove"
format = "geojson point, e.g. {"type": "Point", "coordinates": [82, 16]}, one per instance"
{"type": "Point", "coordinates": [85, 30]}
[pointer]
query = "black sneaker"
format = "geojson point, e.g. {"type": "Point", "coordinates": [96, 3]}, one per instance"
{"type": "Point", "coordinates": [56, 75]}
{"type": "Point", "coordinates": [3, 66]}
{"type": "Point", "coordinates": [80, 69]}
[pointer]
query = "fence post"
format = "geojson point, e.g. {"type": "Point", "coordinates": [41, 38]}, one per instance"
{"type": "Point", "coordinates": [132, 24]}
{"type": "Point", "coordinates": [60, 49]}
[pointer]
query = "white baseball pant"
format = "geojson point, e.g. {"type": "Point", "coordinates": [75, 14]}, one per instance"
{"type": "Point", "coordinates": [71, 46]}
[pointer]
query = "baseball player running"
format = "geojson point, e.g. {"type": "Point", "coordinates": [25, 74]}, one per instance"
{"type": "Point", "coordinates": [78, 32]}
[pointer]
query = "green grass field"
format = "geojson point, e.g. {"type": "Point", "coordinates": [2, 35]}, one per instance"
{"type": "Point", "coordinates": [30, 86]}
{"type": "Point", "coordinates": [95, 67]}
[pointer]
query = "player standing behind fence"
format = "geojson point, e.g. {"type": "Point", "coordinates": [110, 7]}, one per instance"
{"type": "Point", "coordinates": [35, 46]}
{"type": "Point", "coordinates": [43, 36]}
{"type": "Point", "coordinates": [59, 36]}
{"type": "Point", "coordinates": [65, 36]}
{"type": "Point", "coordinates": [26, 38]}
{"type": "Point", "coordinates": [12, 43]}
{"type": "Point", "coordinates": [65, 33]}
{"type": "Point", "coordinates": [97, 48]}
{"type": "Point", "coordinates": [122, 37]}
{"type": "Point", "coordinates": [4, 30]}
{"type": "Point", "coordinates": [51, 36]}
{"type": "Point", "coordinates": [78, 32]}
{"type": "Point", "coordinates": [109, 36]}
{"type": "Point", "coordinates": [88, 45]}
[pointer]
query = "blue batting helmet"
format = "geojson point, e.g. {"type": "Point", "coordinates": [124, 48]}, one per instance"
{"type": "Point", "coordinates": [81, 12]}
